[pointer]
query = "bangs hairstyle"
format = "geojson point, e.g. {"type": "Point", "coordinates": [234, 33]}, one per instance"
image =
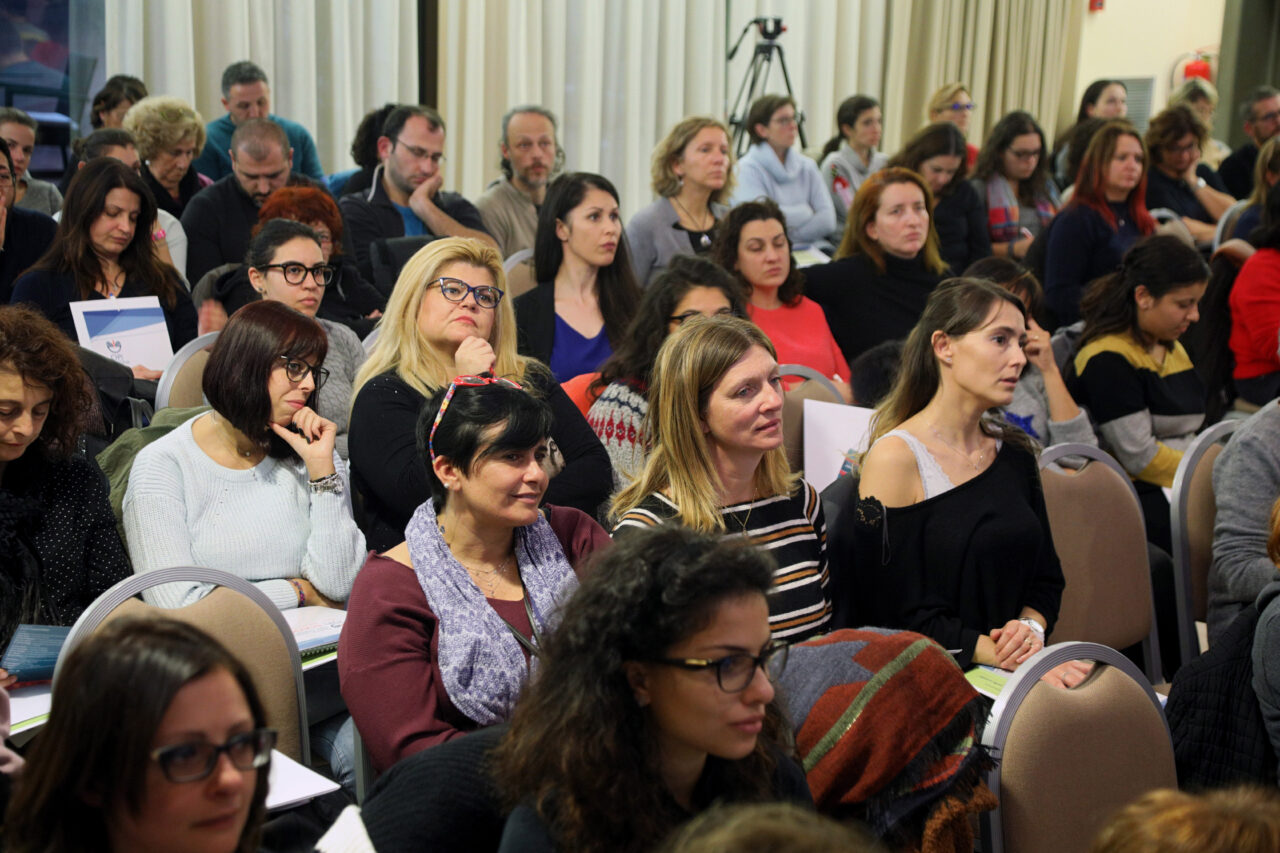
{"type": "Point", "coordinates": [108, 702]}
{"type": "Point", "coordinates": [670, 150]}
{"type": "Point", "coordinates": [40, 353]}
{"type": "Point", "coordinates": [688, 366]}
{"type": "Point", "coordinates": [72, 248]}
{"type": "Point", "coordinates": [473, 413]}
{"type": "Point", "coordinates": [580, 747]}
{"type": "Point", "coordinates": [866, 204]}
{"type": "Point", "coordinates": [1160, 263]}
{"type": "Point", "coordinates": [306, 205]}
{"type": "Point", "coordinates": [762, 110]}
{"type": "Point", "coordinates": [1091, 181]}
{"type": "Point", "coordinates": [991, 157]}
{"type": "Point", "coordinates": [160, 122]}
{"type": "Point", "coordinates": [248, 349]}
{"type": "Point", "coordinates": [729, 235]}
{"type": "Point", "coordinates": [402, 347]}
{"type": "Point", "coordinates": [1013, 277]}
{"type": "Point", "coordinates": [939, 139]}
{"type": "Point", "coordinates": [269, 235]}
{"type": "Point", "coordinates": [633, 360]}
{"type": "Point", "coordinates": [1168, 128]}
{"type": "Point", "coordinates": [956, 307]}
{"type": "Point", "coordinates": [847, 115]}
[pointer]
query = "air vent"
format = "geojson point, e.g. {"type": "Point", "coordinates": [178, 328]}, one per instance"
{"type": "Point", "coordinates": [1141, 92]}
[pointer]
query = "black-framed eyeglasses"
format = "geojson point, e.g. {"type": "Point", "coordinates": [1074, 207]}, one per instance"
{"type": "Point", "coordinates": [462, 382]}
{"type": "Point", "coordinates": [195, 760]}
{"type": "Point", "coordinates": [296, 274]}
{"type": "Point", "coordinates": [436, 157]}
{"type": "Point", "coordinates": [679, 319]}
{"type": "Point", "coordinates": [734, 672]}
{"type": "Point", "coordinates": [296, 370]}
{"type": "Point", "coordinates": [456, 290]}
{"type": "Point", "coordinates": [1025, 155]}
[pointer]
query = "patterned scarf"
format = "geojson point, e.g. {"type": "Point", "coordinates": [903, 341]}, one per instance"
{"type": "Point", "coordinates": [1002, 206]}
{"type": "Point", "coordinates": [481, 662]}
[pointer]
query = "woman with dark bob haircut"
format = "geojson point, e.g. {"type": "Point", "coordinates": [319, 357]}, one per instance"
{"type": "Point", "coordinates": [753, 244]}
{"type": "Point", "coordinates": [102, 250]}
{"type": "Point", "coordinates": [59, 549]}
{"type": "Point", "coordinates": [444, 626]}
{"type": "Point", "coordinates": [1012, 178]}
{"type": "Point", "coordinates": [132, 755]}
{"type": "Point", "coordinates": [689, 287]}
{"type": "Point", "coordinates": [654, 698]}
{"type": "Point", "coordinates": [587, 291]}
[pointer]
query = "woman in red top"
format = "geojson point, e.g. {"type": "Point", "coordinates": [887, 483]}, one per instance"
{"type": "Point", "coordinates": [1255, 316]}
{"type": "Point", "coordinates": [753, 245]}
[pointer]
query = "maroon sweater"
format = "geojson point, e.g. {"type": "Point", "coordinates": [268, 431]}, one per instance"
{"type": "Point", "coordinates": [389, 648]}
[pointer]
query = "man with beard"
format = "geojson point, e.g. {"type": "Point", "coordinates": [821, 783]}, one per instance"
{"type": "Point", "coordinates": [530, 155]}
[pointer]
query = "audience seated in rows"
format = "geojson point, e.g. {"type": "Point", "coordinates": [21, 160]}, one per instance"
{"type": "Point", "coordinates": [1178, 181]}
{"type": "Point", "coordinates": [531, 157]}
{"type": "Point", "coordinates": [937, 153]}
{"type": "Point", "coordinates": [1260, 115]}
{"type": "Point", "coordinates": [102, 250]}
{"type": "Point", "coordinates": [772, 169]}
{"type": "Point", "coordinates": [692, 177]}
{"type": "Point", "coordinates": [405, 198]}
{"type": "Point", "coordinates": [717, 464]}
{"type": "Point", "coordinates": [443, 626]}
{"type": "Point", "coordinates": [169, 133]}
{"type": "Point", "coordinates": [447, 317]}
{"type": "Point", "coordinates": [25, 235]}
{"type": "Point", "coordinates": [851, 155]}
{"type": "Point", "coordinates": [753, 245]}
{"type": "Point", "coordinates": [886, 266]}
{"type": "Point", "coordinates": [1102, 99]}
{"type": "Point", "coordinates": [1012, 178]}
{"type": "Point", "coordinates": [586, 293]}
{"type": "Point", "coordinates": [219, 221]}
{"type": "Point", "coordinates": [246, 95]}
{"type": "Point", "coordinates": [689, 287]}
{"type": "Point", "coordinates": [18, 133]}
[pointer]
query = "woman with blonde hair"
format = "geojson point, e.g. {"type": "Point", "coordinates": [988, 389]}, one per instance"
{"type": "Point", "coordinates": [693, 178]}
{"type": "Point", "coordinates": [447, 317]}
{"type": "Point", "coordinates": [952, 103]}
{"type": "Point", "coordinates": [717, 464]}
{"type": "Point", "coordinates": [1235, 820]}
{"type": "Point", "coordinates": [1266, 173]}
{"type": "Point", "coordinates": [169, 135]}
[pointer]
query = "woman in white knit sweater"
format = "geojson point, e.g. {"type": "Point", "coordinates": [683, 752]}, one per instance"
{"type": "Point", "coordinates": [253, 487]}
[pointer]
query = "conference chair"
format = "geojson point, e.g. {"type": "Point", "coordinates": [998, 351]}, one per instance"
{"type": "Point", "coordinates": [1227, 222]}
{"type": "Point", "coordinates": [1067, 759]}
{"type": "Point", "coordinates": [1192, 512]}
{"type": "Point", "coordinates": [388, 256]}
{"type": "Point", "coordinates": [1100, 536]}
{"type": "Point", "coordinates": [180, 382]}
{"type": "Point", "coordinates": [814, 387]}
{"type": "Point", "coordinates": [520, 275]}
{"type": "Point", "coordinates": [238, 615]}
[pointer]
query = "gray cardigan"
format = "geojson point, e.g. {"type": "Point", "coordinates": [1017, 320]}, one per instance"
{"type": "Point", "coordinates": [653, 238]}
{"type": "Point", "coordinates": [41, 196]}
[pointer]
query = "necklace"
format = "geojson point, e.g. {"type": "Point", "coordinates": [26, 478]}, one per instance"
{"type": "Point", "coordinates": [490, 576]}
{"type": "Point", "coordinates": [230, 441]}
{"type": "Point", "coordinates": [704, 239]}
{"type": "Point", "coordinates": [977, 466]}
{"type": "Point", "coordinates": [745, 520]}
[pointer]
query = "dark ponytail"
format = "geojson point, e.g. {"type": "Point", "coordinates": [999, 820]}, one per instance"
{"type": "Point", "coordinates": [847, 113]}
{"type": "Point", "coordinates": [1161, 263]}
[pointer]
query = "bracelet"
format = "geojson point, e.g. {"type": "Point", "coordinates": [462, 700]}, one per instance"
{"type": "Point", "coordinates": [1035, 627]}
{"type": "Point", "coordinates": [328, 484]}
{"type": "Point", "coordinates": [302, 595]}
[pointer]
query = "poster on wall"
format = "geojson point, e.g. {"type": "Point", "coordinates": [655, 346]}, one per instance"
{"type": "Point", "coordinates": [131, 331]}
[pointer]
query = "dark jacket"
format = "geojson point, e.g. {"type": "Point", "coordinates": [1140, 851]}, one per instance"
{"type": "Point", "coordinates": [27, 234]}
{"type": "Point", "coordinates": [1237, 170]}
{"type": "Point", "coordinates": [536, 321]}
{"type": "Point", "coordinates": [218, 222]}
{"type": "Point", "coordinates": [960, 218]}
{"type": "Point", "coordinates": [188, 187]}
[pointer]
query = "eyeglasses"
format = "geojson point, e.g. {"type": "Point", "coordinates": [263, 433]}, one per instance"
{"type": "Point", "coordinates": [784, 120]}
{"type": "Point", "coordinates": [463, 382]}
{"type": "Point", "coordinates": [456, 290]}
{"type": "Point", "coordinates": [296, 370]}
{"type": "Point", "coordinates": [679, 319]}
{"type": "Point", "coordinates": [1026, 155]}
{"type": "Point", "coordinates": [1193, 145]}
{"type": "Point", "coordinates": [191, 762]}
{"type": "Point", "coordinates": [1267, 118]}
{"type": "Point", "coordinates": [296, 274]}
{"type": "Point", "coordinates": [436, 157]}
{"type": "Point", "coordinates": [734, 672]}
{"type": "Point", "coordinates": [958, 107]}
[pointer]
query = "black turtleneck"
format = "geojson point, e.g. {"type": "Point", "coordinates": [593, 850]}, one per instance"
{"type": "Point", "coordinates": [865, 306]}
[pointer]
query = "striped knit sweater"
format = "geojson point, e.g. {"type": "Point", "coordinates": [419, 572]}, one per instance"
{"type": "Point", "coordinates": [791, 528]}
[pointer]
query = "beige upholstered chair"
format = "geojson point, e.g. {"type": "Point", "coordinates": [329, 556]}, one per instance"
{"type": "Point", "coordinates": [520, 275]}
{"type": "Point", "coordinates": [1101, 539]}
{"type": "Point", "coordinates": [1067, 759]}
{"type": "Point", "coordinates": [179, 385]}
{"type": "Point", "coordinates": [814, 387]}
{"type": "Point", "coordinates": [239, 616]}
{"type": "Point", "coordinates": [1193, 511]}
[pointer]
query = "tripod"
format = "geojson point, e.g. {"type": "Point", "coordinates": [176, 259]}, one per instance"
{"type": "Point", "coordinates": [755, 81]}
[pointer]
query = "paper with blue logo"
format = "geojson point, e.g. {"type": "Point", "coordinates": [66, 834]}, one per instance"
{"type": "Point", "coordinates": [131, 331]}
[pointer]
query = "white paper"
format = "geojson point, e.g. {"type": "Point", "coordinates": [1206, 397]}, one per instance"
{"type": "Point", "coordinates": [290, 783]}
{"type": "Point", "coordinates": [315, 626]}
{"type": "Point", "coordinates": [831, 432]}
{"type": "Point", "coordinates": [29, 706]}
{"type": "Point", "coordinates": [131, 331]}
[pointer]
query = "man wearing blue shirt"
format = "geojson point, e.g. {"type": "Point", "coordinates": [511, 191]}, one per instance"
{"type": "Point", "coordinates": [246, 95]}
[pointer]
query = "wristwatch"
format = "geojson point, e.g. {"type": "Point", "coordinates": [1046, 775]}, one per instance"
{"type": "Point", "coordinates": [1200, 183]}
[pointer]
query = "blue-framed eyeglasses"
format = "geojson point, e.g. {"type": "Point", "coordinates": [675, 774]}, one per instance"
{"type": "Point", "coordinates": [456, 290]}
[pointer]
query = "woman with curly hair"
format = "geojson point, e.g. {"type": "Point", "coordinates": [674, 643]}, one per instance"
{"type": "Point", "coordinates": [59, 549]}
{"type": "Point", "coordinates": [654, 698]}
{"type": "Point", "coordinates": [170, 135]}
{"type": "Point", "coordinates": [1178, 180]}
{"type": "Point", "coordinates": [1012, 178]}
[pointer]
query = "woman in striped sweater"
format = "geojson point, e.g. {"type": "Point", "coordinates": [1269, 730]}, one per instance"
{"type": "Point", "coordinates": [717, 464]}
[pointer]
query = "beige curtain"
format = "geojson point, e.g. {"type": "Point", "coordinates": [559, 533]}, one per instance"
{"type": "Point", "coordinates": [329, 61]}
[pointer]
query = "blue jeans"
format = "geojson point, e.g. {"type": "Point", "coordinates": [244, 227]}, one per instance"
{"type": "Point", "coordinates": [332, 732]}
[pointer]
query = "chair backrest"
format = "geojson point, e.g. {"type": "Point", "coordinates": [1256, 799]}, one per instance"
{"type": "Point", "coordinates": [520, 276]}
{"type": "Point", "coordinates": [1227, 222]}
{"type": "Point", "coordinates": [1068, 758]}
{"type": "Point", "coordinates": [387, 257]}
{"type": "Point", "coordinates": [815, 387]}
{"type": "Point", "coordinates": [1101, 540]}
{"type": "Point", "coordinates": [1192, 512]}
{"type": "Point", "coordinates": [180, 382]}
{"type": "Point", "coordinates": [239, 616]}
{"type": "Point", "coordinates": [371, 338]}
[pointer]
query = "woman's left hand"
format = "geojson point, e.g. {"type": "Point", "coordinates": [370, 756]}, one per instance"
{"type": "Point", "coordinates": [1068, 674]}
{"type": "Point", "coordinates": [312, 441]}
{"type": "Point", "coordinates": [1015, 643]}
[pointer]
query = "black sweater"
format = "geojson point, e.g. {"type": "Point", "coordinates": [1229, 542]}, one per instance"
{"type": "Point", "coordinates": [391, 475]}
{"type": "Point", "coordinates": [864, 306]}
{"type": "Point", "coordinates": [27, 234]}
{"type": "Point", "coordinates": [960, 218]}
{"type": "Point", "coordinates": [956, 565]}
